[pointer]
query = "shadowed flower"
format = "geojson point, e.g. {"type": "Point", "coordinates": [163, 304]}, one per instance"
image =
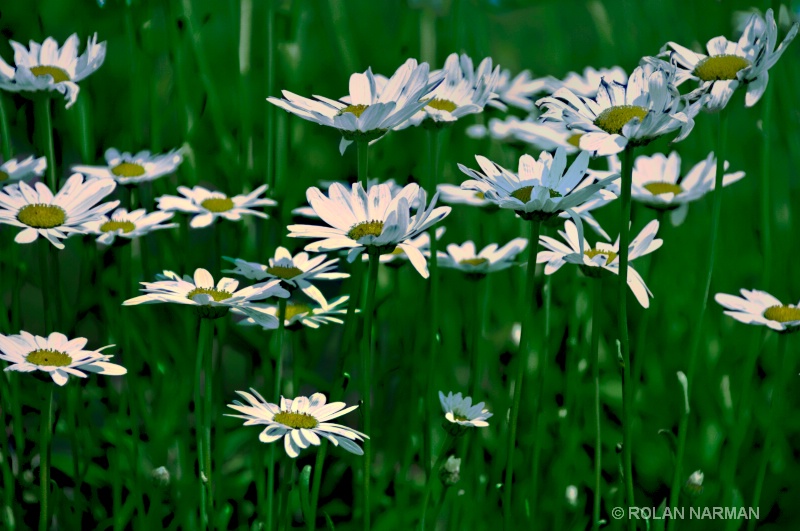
{"type": "Point", "coordinates": [300, 314]}
{"type": "Point", "coordinates": [126, 168]}
{"type": "Point", "coordinates": [207, 205]}
{"type": "Point", "coordinates": [18, 170]}
{"type": "Point", "coordinates": [128, 225]}
{"type": "Point", "coordinates": [466, 259]}
{"type": "Point", "coordinates": [760, 308]}
{"type": "Point", "coordinates": [461, 414]}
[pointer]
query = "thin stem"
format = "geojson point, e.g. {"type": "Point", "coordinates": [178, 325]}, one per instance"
{"type": "Point", "coordinates": [765, 196]}
{"type": "Point", "coordinates": [246, 117]}
{"type": "Point", "coordinates": [276, 393]}
{"type": "Point", "coordinates": [363, 162]}
{"type": "Point", "coordinates": [368, 353]}
{"type": "Point", "coordinates": [45, 432]}
{"type": "Point", "coordinates": [46, 285]}
{"type": "Point", "coordinates": [429, 480]}
{"type": "Point", "coordinates": [622, 316]}
{"type": "Point", "coordinates": [270, 131]}
{"type": "Point", "coordinates": [202, 416]}
{"type": "Point", "coordinates": [529, 305]}
{"type": "Point", "coordinates": [5, 133]}
{"type": "Point", "coordinates": [208, 380]}
{"type": "Point", "coordinates": [44, 125]}
{"type": "Point", "coordinates": [597, 310]}
{"type": "Point", "coordinates": [315, 485]}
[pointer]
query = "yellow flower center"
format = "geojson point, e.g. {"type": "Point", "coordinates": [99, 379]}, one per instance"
{"type": "Point", "coordinates": [367, 228]}
{"type": "Point", "coordinates": [782, 314]}
{"type": "Point", "coordinates": [294, 309]}
{"type": "Point", "coordinates": [480, 195]}
{"type": "Point", "coordinates": [42, 216]}
{"type": "Point", "coordinates": [3, 176]}
{"type": "Point", "coordinates": [217, 295]}
{"type": "Point", "coordinates": [473, 261]}
{"type": "Point", "coordinates": [575, 140]}
{"type": "Point", "coordinates": [296, 420]}
{"type": "Point", "coordinates": [354, 109]}
{"type": "Point", "coordinates": [524, 193]}
{"type": "Point", "coordinates": [720, 67]}
{"type": "Point", "coordinates": [284, 272]}
{"type": "Point", "coordinates": [663, 188]}
{"type": "Point", "coordinates": [128, 169]}
{"type": "Point", "coordinates": [48, 358]}
{"type": "Point", "coordinates": [459, 416]}
{"type": "Point", "coordinates": [397, 251]}
{"type": "Point", "coordinates": [217, 204]}
{"type": "Point", "coordinates": [610, 255]}
{"type": "Point", "coordinates": [59, 74]}
{"type": "Point", "coordinates": [442, 105]}
{"type": "Point", "coordinates": [111, 226]}
{"type": "Point", "coordinates": [613, 119]}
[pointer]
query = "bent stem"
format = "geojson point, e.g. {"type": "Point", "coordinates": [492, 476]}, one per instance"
{"type": "Point", "coordinates": [366, 380]}
{"type": "Point", "coordinates": [597, 299]}
{"type": "Point", "coordinates": [429, 480]}
{"type": "Point", "coordinates": [44, 126]}
{"type": "Point", "coordinates": [45, 432]}
{"type": "Point", "coordinates": [529, 304]}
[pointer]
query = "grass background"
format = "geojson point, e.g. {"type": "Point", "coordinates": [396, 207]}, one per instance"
{"type": "Point", "coordinates": [183, 73]}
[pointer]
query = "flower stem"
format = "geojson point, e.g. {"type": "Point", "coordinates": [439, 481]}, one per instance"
{"type": "Point", "coordinates": [44, 125]}
{"type": "Point", "coordinates": [45, 432]}
{"type": "Point", "coordinates": [276, 392]}
{"type": "Point", "coordinates": [597, 310]}
{"type": "Point", "coordinates": [4, 130]}
{"type": "Point", "coordinates": [622, 316]}
{"type": "Point", "coordinates": [766, 199]}
{"type": "Point", "coordinates": [366, 380]}
{"type": "Point", "coordinates": [47, 284]}
{"type": "Point", "coordinates": [203, 416]}
{"type": "Point", "coordinates": [363, 162]}
{"type": "Point", "coordinates": [529, 305]}
{"type": "Point", "coordinates": [270, 128]}
{"type": "Point", "coordinates": [429, 480]}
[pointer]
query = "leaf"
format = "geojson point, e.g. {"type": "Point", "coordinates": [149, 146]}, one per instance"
{"type": "Point", "coordinates": [305, 504]}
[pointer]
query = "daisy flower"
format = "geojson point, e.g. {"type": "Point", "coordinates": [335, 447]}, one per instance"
{"type": "Point", "coordinates": [729, 64]}
{"type": "Point", "coordinates": [516, 91]}
{"type": "Point", "coordinates": [646, 107]}
{"type": "Point", "coordinates": [207, 206]}
{"type": "Point", "coordinates": [461, 414]}
{"type": "Point", "coordinates": [308, 212]}
{"type": "Point", "coordinates": [455, 195]}
{"type": "Point", "coordinates": [761, 308]}
{"type": "Point", "coordinates": [56, 355]}
{"type": "Point", "coordinates": [603, 256]}
{"type": "Point", "coordinates": [46, 67]}
{"type": "Point", "coordinates": [39, 213]}
{"type": "Point", "coordinates": [294, 271]}
{"type": "Point", "coordinates": [299, 314]}
{"type": "Point", "coordinates": [475, 264]}
{"type": "Point", "coordinates": [128, 225]}
{"type": "Point", "coordinates": [211, 301]}
{"type": "Point", "coordinates": [17, 170]}
{"type": "Point", "coordinates": [299, 422]}
{"type": "Point", "coordinates": [368, 113]}
{"type": "Point", "coordinates": [126, 168]}
{"type": "Point", "coordinates": [603, 197]}
{"type": "Point", "coordinates": [374, 220]}
{"type": "Point", "coordinates": [586, 84]}
{"type": "Point", "coordinates": [545, 136]}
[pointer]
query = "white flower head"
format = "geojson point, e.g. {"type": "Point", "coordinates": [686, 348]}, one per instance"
{"type": "Point", "coordinates": [210, 300]}
{"type": "Point", "coordinates": [368, 113]}
{"type": "Point", "coordinates": [760, 308]}
{"type": "Point", "coordinates": [207, 205]}
{"type": "Point", "coordinates": [455, 195]}
{"type": "Point", "coordinates": [466, 259]}
{"type": "Point", "coordinates": [602, 257]}
{"type": "Point", "coordinates": [586, 83]}
{"type": "Point", "coordinates": [516, 91]}
{"type": "Point", "coordinates": [460, 413]}
{"type": "Point", "coordinates": [373, 220]}
{"type": "Point", "coordinates": [730, 64]}
{"type": "Point", "coordinates": [300, 422]}
{"type": "Point", "coordinates": [308, 212]}
{"type": "Point", "coordinates": [14, 170]}
{"type": "Point", "coordinates": [545, 136]}
{"type": "Point", "coordinates": [39, 213]}
{"type": "Point", "coordinates": [299, 313]}
{"type": "Point", "coordinates": [646, 107]}
{"type": "Point", "coordinates": [128, 225]}
{"type": "Point", "coordinates": [46, 67]}
{"type": "Point", "coordinates": [127, 168]}
{"type": "Point", "coordinates": [56, 355]}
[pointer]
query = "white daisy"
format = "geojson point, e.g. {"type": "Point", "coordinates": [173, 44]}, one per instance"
{"type": "Point", "coordinates": [58, 217]}
{"type": "Point", "coordinates": [18, 170]}
{"type": "Point", "coordinates": [368, 113]}
{"type": "Point", "coordinates": [516, 91]}
{"type": "Point", "coordinates": [211, 301]}
{"type": "Point", "coordinates": [586, 84]}
{"type": "Point", "coordinates": [299, 314]}
{"type": "Point", "coordinates": [55, 355]}
{"type": "Point", "coordinates": [603, 197]}
{"type": "Point", "coordinates": [207, 205]}
{"type": "Point", "coordinates": [128, 225]}
{"type": "Point", "coordinates": [300, 422]}
{"type": "Point", "coordinates": [374, 220]}
{"type": "Point", "coordinates": [646, 107]}
{"type": "Point", "coordinates": [729, 64]}
{"type": "Point", "coordinates": [466, 259]}
{"type": "Point", "coordinates": [46, 67]}
{"type": "Point", "coordinates": [545, 136]}
{"type": "Point", "coordinates": [461, 414]}
{"type": "Point", "coordinates": [455, 195]}
{"type": "Point", "coordinates": [126, 168]}
{"type": "Point", "coordinates": [294, 271]}
{"type": "Point", "coordinates": [308, 212]}
{"type": "Point", "coordinates": [761, 308]}
{"type": "Point", "coordinates": [603, 256]}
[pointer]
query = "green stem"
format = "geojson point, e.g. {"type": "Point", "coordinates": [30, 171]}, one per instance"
{"type": "Point", "coordinates": [208, 380]}
{"type": "Point", "coordinates": [429, 480]}
{"type": "Point", "coordinates": [368, 353]}
{"type": "Point", "coordinates": [363, 162]}
{"type": "Point", "coordinates": [47, 284]}
{"type": "Point", "coordinates": [276, 392]}
{"type": "Point", "coordinates": [202, 416]}
{"type": "Point", "coordinates": [44, 125]}
{"type": "Point", "coordinates": [270, 131]}
{"type": "Point", "coordinates": [597, 310]}
{"type": "Point", "coordinates": [5, 132]}
{"type": "Point", "coordinates": [528, 305]}
{"type": "Point", "coordinates": [246, 116]}
{"type": "Point", "coordinates": [317, 479]}
{"type": "Point", "coordinates": [622, 316]}
{"type": "Point", "coordinates": [45, 432]}
{"type": "Point", "coordinates": [9, 483]}
{"type": "Point", "coordinates": [765, 196]}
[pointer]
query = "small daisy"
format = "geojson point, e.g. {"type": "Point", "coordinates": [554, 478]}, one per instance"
{"type": "Point", "coordinates": [55, 355]}
{"type": "Point", "coordinates": [729, 64]}
{"type": "Point", "coordinates": [211, 301]}
{"type": "Point", "coordinates": [18, 170]}
{"type": "Point", "coordinates": [300, 422]}
{"type": "Point", "coordinates": [299, 314]}
{"type": "Point", "coordinates": [39, 213]}
{"type": "Point", "coordinates": [208, 206]}
{"type": "Point", "coordinates": [545, 136]}
{"type": "Point", "coordinates": [46, 67]}
{"type": "Point", "coordinates": [308, 212]}
{"type": "Point", "coordinates": [128, 225]}
{"type": "Point", "coordinates": [646, 107]}
{"type": "Point", "coordinates": [586, 84]}
{"type": "Point", "coordinates": [461, 414]}
{"type": "Point", "coordinates": [294, 271]}
{"type": "Point", "coordinates": [516, 91]}
{"type": "Point", "coordinates": [368, 113]}
{"type": "Point", "coordinates": [126, 168]}
{"type": "Point", "coordinates": [761, 308]}
{"type": "Point", "coordinates": [465, 258]}
{"type": "Point", "coordinates": [398, 257]}
{"type": "Point", "coordinates": [455, 195]}
{"type": "Point", "coordinates": [603, 256]}
{"type": "Point", "coordinates": [374, 220]}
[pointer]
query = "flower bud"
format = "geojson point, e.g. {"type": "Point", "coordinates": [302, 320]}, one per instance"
{"type": "Point", "coordinates": [449, 473]}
